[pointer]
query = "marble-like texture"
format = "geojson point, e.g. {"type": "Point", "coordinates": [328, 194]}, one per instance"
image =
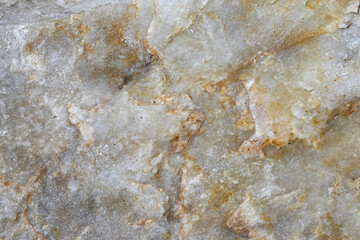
{"type": "Point", "coordinates": [168, 119]}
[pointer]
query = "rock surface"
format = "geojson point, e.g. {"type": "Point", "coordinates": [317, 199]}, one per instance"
{"type": "Point", "coordinates": [168, 119]}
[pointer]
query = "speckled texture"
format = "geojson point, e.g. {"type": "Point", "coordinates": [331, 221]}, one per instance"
{"type": "Point", "coordinates": [168, 119]}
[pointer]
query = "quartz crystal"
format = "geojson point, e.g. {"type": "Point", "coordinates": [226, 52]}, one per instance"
{"type": "Point", "coordinates": [179, 119]}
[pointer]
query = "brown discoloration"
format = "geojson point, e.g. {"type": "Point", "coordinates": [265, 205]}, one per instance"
{"type": "Point", "coordinates": [178, 144]}
{"type": "Point", "coordinates": [121, 59]}
{"type": "Point", "coordinates": [111, 58]}
{"type": "Point", "coordinates": [268, 224]}
{"type": "Point", "coordinates": [83, 29]}
{"type": "Point", "coordinates": [328, 224]}
{"type": "Point", "coordinates": [144, 222]}
{"type": "Point", "coordinates": [190, 127]}
{"type": "Point", "coordinates": [115, 34]}
{"type": "Point", "coordinates": [312, 4]}
{"type": "Point", "coordinates": [241, 73]}
{"type": "Point", "coordinates": [126, 79]}
{"type": "Point", "coordinates": [77, 16]}
{"type": "Point", "coordinates": [42, 173]}
{"type": "Point", "coordinates": [334, 189]}
{"type": "Point", "coordinates": [16, 186]}
{"type": "Point", "coordinates": [348, 109]}
{"type": "Point", "coordinates": [237, 223]}
{"type": "Point", "coordinates": [166, 236]}
{"type": "Point", "coordinates": [29, 49]}
{"type": "Point", "coordinates": [184, 209]}
{"type": "Point", "coordinates": [239, 220]}
{"type": "Point", "coordinates": [254, 146]}
{"type": "Point", "coordinates": [300, 200]}
{"type": "Point", "coordinates": [65, 27]}
{"type": "Point", "coordinates": [150, 49]}
{"type": "Point", "coordinates": [179, 210]}
{"type": "Point", "coordinates": [212, 15]}
{"type": "Point", "coordinates": [137, 102]}
{"type": "Point", "coordinates": [26, 215]}
{"type": "Point", "coordinates": [247, 8]}
{"type": "Point", "coordinates": [227, 102]}
{"type": "Point", "coordinates": [268, 113]}
{"type": "Point", "coordinates": [295, 40]}
{"type": "Point", "coordinates": [355, 184]}
{"type": "Point", "coordinates": [117, 75]}
{"type": "Point", "coordinates": [88, 49]}
{"type": "Point", "coordinates": [157, 175]}
{"type": "Point", "coordinates": [248, 218]}
{"type": "Point", "coordinates": [210, 87]}
{"type": "Point", "coordinates": [246, 121]}
{"type": "Point", "coordinates": [194, 121]}
{"type": "Point", "coordinates": [38, 179]}
{"type": "Point", "coordinates": [219, 196]}
{"type": "Point", "coordinates": [170, 98]}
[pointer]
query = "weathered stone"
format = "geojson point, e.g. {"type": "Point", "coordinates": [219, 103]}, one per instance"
{"type": "Point", "coordinates": [166, 119]}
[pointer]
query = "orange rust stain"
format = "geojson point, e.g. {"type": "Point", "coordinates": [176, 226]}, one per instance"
{"type": "Point", "coordinates": [83, 29]}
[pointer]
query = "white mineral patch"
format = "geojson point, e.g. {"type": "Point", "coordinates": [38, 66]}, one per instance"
{"type": "Point", "coordinates": [211, 119]}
